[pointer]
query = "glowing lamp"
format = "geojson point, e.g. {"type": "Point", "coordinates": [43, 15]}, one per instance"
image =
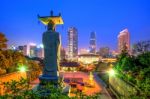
{"type": "Point", "coordinates": [111, 72]}
{"type": "Point", "coordinates": [22, 69]}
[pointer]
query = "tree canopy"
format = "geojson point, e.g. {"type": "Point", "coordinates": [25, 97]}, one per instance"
{"type": "Point", "coordinates": [3, 41]}
{"type": "Point", "coordinates": [136, 70]}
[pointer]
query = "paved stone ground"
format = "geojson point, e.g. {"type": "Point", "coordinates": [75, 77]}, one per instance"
{"type": "Point", "coordinates": [85, 76]}
{"type": "Point", "coordinates": [104, 92]}
{"type": "Point", "coordinates": [99, 82]}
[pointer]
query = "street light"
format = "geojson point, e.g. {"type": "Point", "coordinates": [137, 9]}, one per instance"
{"type": "Point", "coordinates": [111, 72]}
{"type": "Point", "coordinates": [22, 69]}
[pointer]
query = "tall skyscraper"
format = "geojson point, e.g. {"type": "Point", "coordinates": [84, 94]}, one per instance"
{"type": "Point", "coordinates": [124, 40]}
{"type": "Point", "coordinates": [72, 43]}
{"type": "Point", "coordinates": [92, 47]}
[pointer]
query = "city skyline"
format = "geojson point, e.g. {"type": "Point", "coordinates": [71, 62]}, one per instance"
{"type": "Point", "coordinates": [68, 49]}
{"type": "Point", "coordinates": [20, 24]}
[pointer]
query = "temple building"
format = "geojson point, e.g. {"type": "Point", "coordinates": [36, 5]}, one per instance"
{"type": "Point", "coordinates": [69, 66]}
{"type": "Point", "coordinates": [88, 58]}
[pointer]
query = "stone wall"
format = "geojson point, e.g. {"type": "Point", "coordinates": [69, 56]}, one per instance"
{"type": "Point", "coordinates": [122, 88]}
{"type": "Point", "coordinates": [8, 77]}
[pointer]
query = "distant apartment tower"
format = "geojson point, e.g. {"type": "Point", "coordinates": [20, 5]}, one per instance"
{"type": "Point", "coordinates": [72, 43]}
{"type": "Point", "coordinates": [62, 54]}
{"type": "Point", "coordinates": [20, 48]}
{"type": "Point", "coordinates": [124, 40]}
{"type": "Point", "coordinates": [104, 52]}
{"type": "Point", "coordinates": [30, 50]}
{"type": "Point", "coordinates": [92, 48]}
{"type": "Point", "coordinates": [26, 50]}
{"type": "Point", "coordinates": [39, 52]}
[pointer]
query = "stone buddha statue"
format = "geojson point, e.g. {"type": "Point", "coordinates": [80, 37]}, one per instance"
{"type": "Point", "coordinates": [51, 41]}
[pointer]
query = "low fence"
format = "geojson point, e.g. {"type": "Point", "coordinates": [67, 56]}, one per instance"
{"type": "Point", "coordinates": [121, 88]}
{"type": "Point", "coordinates": [8, 77]}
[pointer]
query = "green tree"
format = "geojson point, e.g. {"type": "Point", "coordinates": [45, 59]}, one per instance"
{"type": "Point", "coordinates": [3, 41]}
{"type": "Point", "coordinates": [135, 70]}
{"type": "Point", "coordinates": [34, 69]}
{"type": "Point", "coordinates": [4, 63]}
{"type": "Point", "coordinates": [121, 59]}
{"type": "Point", "coordinates": [18, 58]}
{"type": "Point", "coordinates": [22, 90]}
{"type": "Point", "coordinates": [141, 47]}
{"type": "Point", "coordinates": [144, 60]}
{"type": "Point", "coordinates": [8, 55]}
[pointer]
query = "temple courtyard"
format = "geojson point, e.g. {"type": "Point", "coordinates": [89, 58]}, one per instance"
{"type": "Point", "coordinates": [81, 82]}
{"type": "Point", "coordinates": [87, 83]}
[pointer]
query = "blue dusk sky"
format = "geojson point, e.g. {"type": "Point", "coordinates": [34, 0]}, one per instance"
{"type": "Point", "coordinates": [19, 22]}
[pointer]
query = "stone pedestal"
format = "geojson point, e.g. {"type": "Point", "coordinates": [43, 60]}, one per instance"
{"type": "Point", "coordinates": [48, 79]}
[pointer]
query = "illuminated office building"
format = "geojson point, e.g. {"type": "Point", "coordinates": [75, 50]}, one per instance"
{"type": "Point", "coordinates": [72, 52]}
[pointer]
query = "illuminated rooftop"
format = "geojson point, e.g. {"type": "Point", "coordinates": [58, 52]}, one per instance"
{"type": "Point", "coordinates": [123, 32]}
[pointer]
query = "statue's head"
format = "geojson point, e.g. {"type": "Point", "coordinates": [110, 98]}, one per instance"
{"type": "Point", "coordinates": [51, 25]}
